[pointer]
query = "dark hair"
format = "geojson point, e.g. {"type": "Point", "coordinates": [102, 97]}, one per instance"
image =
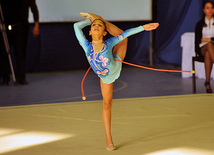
{"type": "Point", "coordinates": [208, 1]}
{"type": "Point", "coordinates": [102, 22]}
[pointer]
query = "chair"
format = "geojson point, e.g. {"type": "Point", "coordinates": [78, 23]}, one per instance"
{"type": "Point", "coordinates": [198, 59]}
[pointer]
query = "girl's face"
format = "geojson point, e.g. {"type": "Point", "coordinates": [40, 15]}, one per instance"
{"type": "Point", "coordinates": [208, 9]}
{"type": "Point", "coordinates": [98, 28]}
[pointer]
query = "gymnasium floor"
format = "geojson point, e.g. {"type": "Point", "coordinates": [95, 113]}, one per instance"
{"type": "Point", "coordinates": [154, 113]}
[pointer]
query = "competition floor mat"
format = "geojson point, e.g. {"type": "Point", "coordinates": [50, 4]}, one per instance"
{"type": "Point", "coordinates": [167, 125]}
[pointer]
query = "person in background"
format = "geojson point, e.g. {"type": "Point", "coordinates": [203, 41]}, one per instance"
{"type": "Point", "coordinates": [16, 14]}
{"type": "Point", "coordinates": [26, 4]}
{"type": "Point", "coordinates": [204, 40]}
{"type": "Point", "coordinates": [12, 19]}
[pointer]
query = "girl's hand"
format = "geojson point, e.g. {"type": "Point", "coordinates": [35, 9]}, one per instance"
{"type": "Point", "coordinates": [205, 40]}
{"type": "Point", "coordinates": [151, 26]}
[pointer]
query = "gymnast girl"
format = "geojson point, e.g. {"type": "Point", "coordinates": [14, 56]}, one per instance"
{"type": "Point", "coordinates": [101, 56]}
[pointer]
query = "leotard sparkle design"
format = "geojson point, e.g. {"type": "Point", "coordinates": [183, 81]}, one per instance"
{"type": "Point", "coordinates": [103, 63]}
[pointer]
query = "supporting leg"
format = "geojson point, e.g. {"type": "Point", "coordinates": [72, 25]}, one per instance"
{"type": "Point", "coordinates": [107, 93]}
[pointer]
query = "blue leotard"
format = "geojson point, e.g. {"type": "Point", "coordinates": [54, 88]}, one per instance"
{"type": "Point", "coordinates": [103, 63]}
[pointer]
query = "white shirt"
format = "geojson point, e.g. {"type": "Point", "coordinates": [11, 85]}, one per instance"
{"type": "Point", "coordinates": [208, 32]}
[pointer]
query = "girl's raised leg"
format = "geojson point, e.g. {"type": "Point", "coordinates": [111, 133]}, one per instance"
{"type": "Point", "coordinates": [121, 48]}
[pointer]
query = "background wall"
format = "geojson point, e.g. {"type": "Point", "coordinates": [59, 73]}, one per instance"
{"type": "Point", "coordinates": [114, 10]}
{"type": "Point", "coordinates": [58, 49]}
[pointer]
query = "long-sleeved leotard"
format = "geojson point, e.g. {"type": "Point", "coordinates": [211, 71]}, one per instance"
{"type": "Point", "coordinates": [103, 63]}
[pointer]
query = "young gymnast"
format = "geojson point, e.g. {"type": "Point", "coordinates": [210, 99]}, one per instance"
{"type": "Point", "coordinates": [101, 56]}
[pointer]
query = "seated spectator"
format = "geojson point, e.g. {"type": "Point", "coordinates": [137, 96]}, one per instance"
{"type": "Point", "coordinates": [204, 40]}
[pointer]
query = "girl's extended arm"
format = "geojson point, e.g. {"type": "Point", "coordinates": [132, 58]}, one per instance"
{"type": "Point", "coordinates": [132, 31]}
{"type": "Point", "coordinates": [124, 35]}
{"type": "Point", "coordinates": [79, 33]}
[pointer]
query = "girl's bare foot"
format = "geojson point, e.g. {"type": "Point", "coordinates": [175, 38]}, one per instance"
{"type": "Point", "coordinates": [110, 147]}
{"type": "Point", "coordinates": [90, 16]}
{"type": "Point", "coordinates": [85, 14]}
{"type": "Point", "coordinates": [110, 144]}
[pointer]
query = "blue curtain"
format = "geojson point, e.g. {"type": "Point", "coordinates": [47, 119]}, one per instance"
{"type": "Point", "coordinates": [175, 18]}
